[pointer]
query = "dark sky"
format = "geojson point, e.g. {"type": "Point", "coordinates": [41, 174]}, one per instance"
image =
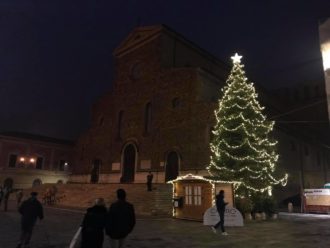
{"type": "Point", "coordinates": [56, 56]}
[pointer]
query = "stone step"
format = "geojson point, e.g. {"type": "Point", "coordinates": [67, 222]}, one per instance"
{"type": "Point", "coordinates": [157, 202]}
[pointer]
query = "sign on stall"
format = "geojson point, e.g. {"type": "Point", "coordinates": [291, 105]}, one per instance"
{"type": "Point", "coordinates": [317, 192]}
{"type": "Point", "coordinates": [233, 217]}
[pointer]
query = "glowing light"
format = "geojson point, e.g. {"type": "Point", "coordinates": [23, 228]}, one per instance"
{"type": "Point", "coordinates": [243, 152]}
{"type": "Point", "coordinates": [236, 58]}
{"type": "Point", "coordinates": [195, 177]}
{"type": "Point", "coordinates": [32, 160]}
{"type": "Point", "coordinates": [22, 159]}
{"type": "Point", "coordinates": [326, 55]}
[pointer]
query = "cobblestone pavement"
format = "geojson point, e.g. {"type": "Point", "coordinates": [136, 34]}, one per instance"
{"type": "Point", "coordinates": [59, 226]}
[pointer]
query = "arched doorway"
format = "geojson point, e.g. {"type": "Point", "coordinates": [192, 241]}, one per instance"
{"type": "Point", "coordinates": [128, 162]}
{"type": "Point", "coordinates": [36, 182]}
{"type": "Point", "coordinates": [172, 166]}
{"type": "Point", "coordinates": [95, 173]}
{"type": "Point", "coordinates": [8, 183]}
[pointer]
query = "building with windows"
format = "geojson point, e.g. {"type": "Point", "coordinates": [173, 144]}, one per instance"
{"type": "Point", "coordinates": [27, 160]}
{"type": "Point", "coordinates": [159, 115]}
{"type": "Point", "coordinates": [324, 31]}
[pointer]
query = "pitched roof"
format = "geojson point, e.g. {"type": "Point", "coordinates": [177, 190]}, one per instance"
{"type": "Point", "coordinates": [141, 35]}
{"type": "Point", "coordinates": [36, 137]}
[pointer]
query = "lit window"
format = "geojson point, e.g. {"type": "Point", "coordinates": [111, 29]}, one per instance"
{"type": "Point", "coordinates": [193, 195]}
{"type": "Point", "coordinates": [188, 195]}
{"type": "Point", "coordinates": [198, 195]}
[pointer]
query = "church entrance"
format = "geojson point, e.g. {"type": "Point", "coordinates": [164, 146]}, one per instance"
{"type": "Point", "coordinates": [129, 158]}
{"type": "Point", "coordinates": [172, 166]}
{"type": "Point", "coordinates": [95, 173]}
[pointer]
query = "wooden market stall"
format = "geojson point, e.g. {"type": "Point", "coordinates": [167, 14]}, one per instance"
{"type": "Point", "coordinates": [193, 195]}
{"type": "Point", "coordinates": [316, 200]}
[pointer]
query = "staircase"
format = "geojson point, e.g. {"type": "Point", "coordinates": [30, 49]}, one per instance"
{"type": "Point", "coordinates": [81, 196]}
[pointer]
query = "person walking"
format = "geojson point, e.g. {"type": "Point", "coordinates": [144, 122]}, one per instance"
{"type": "Point", "coordinates": [150, 176]}
{"type": "Point", "coordinates": [120, 220]}
{"type": "Point", "coordinates": [221, 206]}
{"type": "Point", "coordinates": [1, 195]}
{"type": "Point", "coordinates": [19, 197]}
{"type": "Point", "coordinates": [6, 195]}
{"type": "Point", "coordinates": [31, 209]}
{"type": "Point", "coordinates": [92, 233]}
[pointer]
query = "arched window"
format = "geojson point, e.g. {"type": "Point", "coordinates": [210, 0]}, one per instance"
{"type": "Point", "coordinates": [147, 118]}
{"type": "Point", "coordinates": [119, 124]}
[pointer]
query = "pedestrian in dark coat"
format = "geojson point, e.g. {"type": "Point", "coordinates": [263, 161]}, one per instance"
{"type": "Point", "coordinates": [1, 195]}
{"type": "Point", "coordinates": [120, 220]}
{"type": "Point", "coordinates": [150, 176]}
{"type": "Point", "coordinates": [92, 233]}
{"type": "Point", "coordinates": [19, 197]}
{"type": "Point", "coordinates": [31, 209]}
{"type": "Point", "coordinates": [221, 206]}
{"type": "Point", "coordinates": [6, 195]}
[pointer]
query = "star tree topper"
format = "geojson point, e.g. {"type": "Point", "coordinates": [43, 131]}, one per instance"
{"type": "Point", "coordinates": [236, 58]}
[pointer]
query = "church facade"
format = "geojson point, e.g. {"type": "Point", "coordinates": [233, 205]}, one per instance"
{"type": "Point", "coordinates": [159, 115]}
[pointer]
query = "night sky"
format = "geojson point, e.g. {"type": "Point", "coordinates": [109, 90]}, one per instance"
{"type": "Point", "coordinates": [56, 56]}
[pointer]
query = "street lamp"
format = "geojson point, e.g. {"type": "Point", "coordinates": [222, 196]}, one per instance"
{"type": "Point", "coordinates": [325, 48]}
{"type": "Point", "coordinates": [27, 161]}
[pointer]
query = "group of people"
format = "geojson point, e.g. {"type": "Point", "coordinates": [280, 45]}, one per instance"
{"type": "Point", "coordinates": [49, 197]}
{"type": "Point", "coordinates": [5, 194]}
{"type": "Point", "coordinates": [117, 222]}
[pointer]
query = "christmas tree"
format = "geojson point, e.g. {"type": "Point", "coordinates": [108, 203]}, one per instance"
{"type": "Point", "coordinates": [243, 151]}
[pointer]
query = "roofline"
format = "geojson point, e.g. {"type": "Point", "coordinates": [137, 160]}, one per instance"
{"type": "Point", "coordinates": [195, 46]}
{"type": "Point", "coordinates": [36, 137]}
{"type": "Point", "coordinates": [176, 35]}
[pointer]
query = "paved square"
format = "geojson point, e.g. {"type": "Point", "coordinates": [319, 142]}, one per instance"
{"type": "Point", "coordinates": [58, 227]}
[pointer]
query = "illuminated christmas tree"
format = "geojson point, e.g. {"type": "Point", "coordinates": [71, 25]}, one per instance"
{"type": "Point", "coordinates": [243, 151]}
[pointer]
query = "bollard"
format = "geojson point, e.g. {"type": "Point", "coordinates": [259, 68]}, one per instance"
{"type": "Point", "coordinates": [290, 207]}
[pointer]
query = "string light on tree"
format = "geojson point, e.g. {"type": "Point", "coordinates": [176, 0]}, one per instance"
{"type": "Point", "coordinates": [242, 148]}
